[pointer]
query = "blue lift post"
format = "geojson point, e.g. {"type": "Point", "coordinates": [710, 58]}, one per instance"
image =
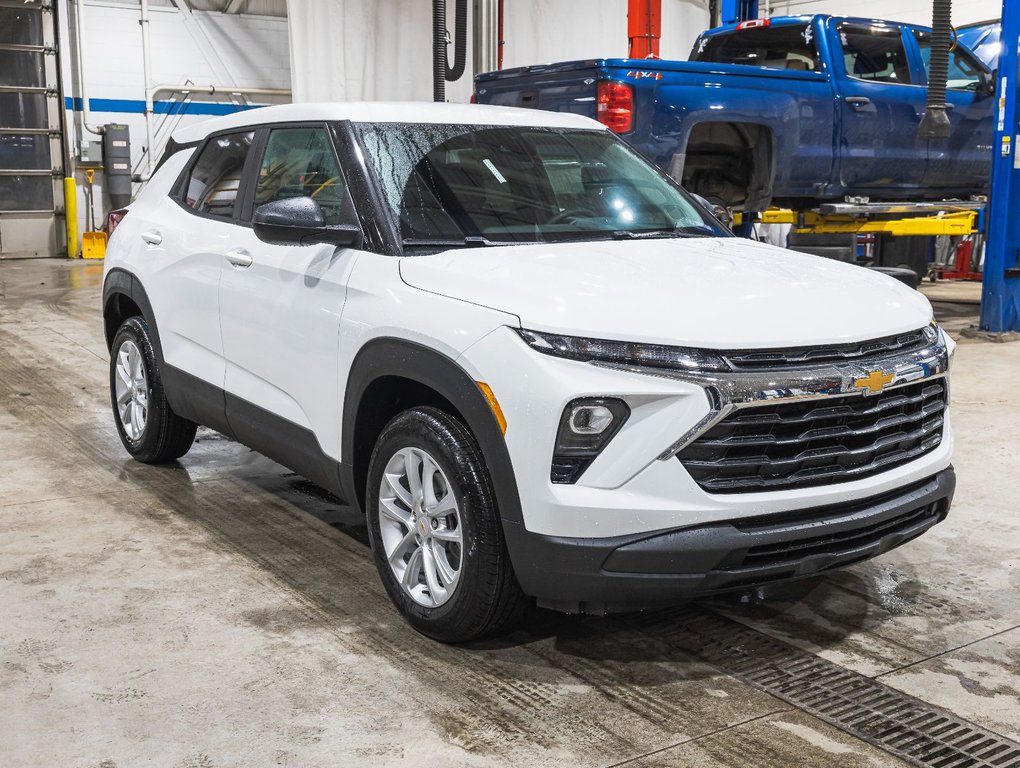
{"type": "Point", "coordinates": [739, 10]}
{"type": "Point", "coordinates": [1000, 290]}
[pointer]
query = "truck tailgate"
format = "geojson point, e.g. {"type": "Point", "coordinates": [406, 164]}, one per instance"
{"type": "Point", "coordinates": [566, 87]}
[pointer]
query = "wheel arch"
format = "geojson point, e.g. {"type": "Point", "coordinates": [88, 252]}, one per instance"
{"type": "Point", "coordinates": [389, 375]}
{"type": "Point", "coordinates": [756, 141]}
{"type": "Point", "coordinates": [124, 297]}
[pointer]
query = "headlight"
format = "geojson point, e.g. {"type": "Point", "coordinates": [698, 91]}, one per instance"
{"type": "Point", "coordinates": [623, 352]}
{"type": "Point", "coordinates": [931, 332]}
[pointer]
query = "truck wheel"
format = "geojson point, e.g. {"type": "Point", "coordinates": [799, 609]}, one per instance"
{"type": "Point", "coordinates": [149, 429]}
{"type": "Point", "coordinates": [435, 529]}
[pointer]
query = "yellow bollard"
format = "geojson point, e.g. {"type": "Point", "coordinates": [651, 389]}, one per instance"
{"type": "Point", "coordinates": [71, 217]}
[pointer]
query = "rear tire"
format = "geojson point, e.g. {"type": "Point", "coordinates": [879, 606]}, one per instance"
{"type": "Point", "coordinates": [149, 429]}
{"type": "Point", "coordinates": [435, 529]}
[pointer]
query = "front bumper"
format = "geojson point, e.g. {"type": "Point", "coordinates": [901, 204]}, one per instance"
{"type": "Point", "coordinates": [592, 575]}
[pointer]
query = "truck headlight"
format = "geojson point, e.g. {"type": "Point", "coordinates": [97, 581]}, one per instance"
{"type": "Point", "coordinates": [586, 427]}
{"type": "Point", "coordinates": [623, 352]}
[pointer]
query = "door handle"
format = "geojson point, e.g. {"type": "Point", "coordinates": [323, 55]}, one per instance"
{"type": "Point", "coordinates": [240, 258]}
{"type": "Point", "coordinates": [152, 237]}
{"type": "Point", "coordinates": [857, 101]}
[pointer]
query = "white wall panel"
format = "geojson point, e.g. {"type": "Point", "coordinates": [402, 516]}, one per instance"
{"type": "Point", "coordinates": [910, 11]}
{"type": "Point", "coordinates": [682, 22]}
{"type": "Point", "coordinates": [350, 50]}
{"type": "Point", "coordinates": [211, 48]}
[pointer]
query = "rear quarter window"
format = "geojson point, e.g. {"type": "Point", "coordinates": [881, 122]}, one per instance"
{"type": "Point", "coordinates": [214, 181]}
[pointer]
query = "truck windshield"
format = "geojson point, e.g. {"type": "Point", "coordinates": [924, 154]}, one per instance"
{"type": "Point", "coordinates": [481, 185]}
{"type": "Point", "coordinates": [786, 46]}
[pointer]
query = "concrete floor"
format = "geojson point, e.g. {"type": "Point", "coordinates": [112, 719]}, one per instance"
{"type": "Point", "coordinates": [224, 612]}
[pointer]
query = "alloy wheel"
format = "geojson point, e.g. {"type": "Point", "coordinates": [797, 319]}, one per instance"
{"type": "Point", "coordinates": [132, 390]}
{"type": "Point", "coordinates": [420, 527]}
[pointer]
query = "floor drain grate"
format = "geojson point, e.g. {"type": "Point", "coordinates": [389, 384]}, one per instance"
{"type": "Point", "coordinates": [909, 728]}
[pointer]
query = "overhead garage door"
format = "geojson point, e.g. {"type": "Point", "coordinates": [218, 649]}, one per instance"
{"type": "Point", "coordinates": [30, 146]}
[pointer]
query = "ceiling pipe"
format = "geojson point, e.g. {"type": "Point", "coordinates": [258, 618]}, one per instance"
{"type": "Point", "coordinates": [486, 36]}
{"type": "Point", "coordinates": [150, 160]}
{"type": "Point", "coordinates": [83, 89]}
{"type": "Point", "coordinates": [229, 90]}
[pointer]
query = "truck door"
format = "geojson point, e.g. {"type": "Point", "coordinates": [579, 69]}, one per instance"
{"type": "Point", "coordinates": [879, 108]}
{"type": "Point", "coordinates": [962, 163]}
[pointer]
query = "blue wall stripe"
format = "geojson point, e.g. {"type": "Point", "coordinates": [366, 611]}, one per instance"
{"type": "Point", "coordinates": [137, 107]}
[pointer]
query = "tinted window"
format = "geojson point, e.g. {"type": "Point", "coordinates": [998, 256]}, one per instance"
{"type": "Point", "coordinates": [450, 182]}
{"type": "Point", "coordinates": [874, 53]}
{"type": "Point", "coordinates": [790, 46]}
{"type": "Point", "coordinates": [964, 73]}
{"type": "Point", "coordinates": [299, 162]}
{"type": "Point", "coordinates": [214, 180]}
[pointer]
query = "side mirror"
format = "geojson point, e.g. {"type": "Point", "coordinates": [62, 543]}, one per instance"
{"type": "Point", "coordinates": [988, 81]}
{"type": "Point", "coordinates": [300, 221]}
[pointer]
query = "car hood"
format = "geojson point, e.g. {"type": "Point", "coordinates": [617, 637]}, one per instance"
{"type": "Point", "coordinates": [722, 293]}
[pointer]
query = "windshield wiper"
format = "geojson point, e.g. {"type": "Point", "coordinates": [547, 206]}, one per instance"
{"type": "Point", "coordinates": [626, 234]}
{"type": "Point", "coordinates": [472, 241]}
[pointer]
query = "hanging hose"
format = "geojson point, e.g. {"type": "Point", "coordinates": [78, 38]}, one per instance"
{"type": "Point", "coordinates": [935, 123]}
{"type": "Point", "coordinates": [441, 71]}
{"type": "Point", "coordinates": [460, 19]}
{"type": "Point", "coordinates": [439, 50]}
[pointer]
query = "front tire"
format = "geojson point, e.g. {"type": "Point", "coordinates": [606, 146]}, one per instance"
{"type": "Point", "coordinates": [149, 429]}
{"type": "Point", "coordinates": [435, 529]}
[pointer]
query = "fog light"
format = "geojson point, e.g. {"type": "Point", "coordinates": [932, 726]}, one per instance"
{"type": "Point", "coordinates": [590, 419]}
{"type": "Point", "coordinates": [586, 427]}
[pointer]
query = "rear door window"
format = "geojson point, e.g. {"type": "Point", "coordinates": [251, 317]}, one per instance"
{"type": "Point", "coordinates": [215, 178]}
{"type": "Point", "coordinates": [874, 53]}
{"type": "Point", "coordinates": [789, 46]}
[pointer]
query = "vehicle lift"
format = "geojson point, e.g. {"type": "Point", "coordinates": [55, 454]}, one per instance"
{"type": "Point", "coordinates": [998, 218]}
{"type": "Point", "coordinates": [1000, 290]}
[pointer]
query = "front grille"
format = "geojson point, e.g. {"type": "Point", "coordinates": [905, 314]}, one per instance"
{"type": "Point", "coordinates": [818, 442]}
{"type": "Point", "coordinates": [835, 353]}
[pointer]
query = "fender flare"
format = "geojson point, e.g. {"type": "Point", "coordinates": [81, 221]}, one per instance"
{"type": "Point", "coordinates": [407, 359]}
{"type": "Point", "coordinates": [121, 282]}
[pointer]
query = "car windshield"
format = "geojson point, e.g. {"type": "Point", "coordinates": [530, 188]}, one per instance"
{"type": "Point", "coordinates": [481, 185]}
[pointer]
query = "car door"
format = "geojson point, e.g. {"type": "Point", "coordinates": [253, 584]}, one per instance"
{"type": "Point", "coordinates": [963, 162]}
{"type": "Point", "coordinates": [188, 238]}
{"type": "Point", "coordinates": [280, 309]}
{"type": "Point", "coordinates": [879, 108]}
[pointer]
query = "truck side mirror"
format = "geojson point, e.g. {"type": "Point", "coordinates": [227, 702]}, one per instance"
{"type": "Point", "coordinates": [988, 81]}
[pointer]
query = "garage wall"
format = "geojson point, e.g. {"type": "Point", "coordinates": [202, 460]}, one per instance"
{"type": "Point", "coordinates": [207, 48]}
{"type": "Point", "coordinates": [350, 50]}
{"type": "Point", "coordinates": [910, 11]}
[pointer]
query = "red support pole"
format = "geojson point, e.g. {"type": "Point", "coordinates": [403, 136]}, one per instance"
{"type": "Point", "coordinates": [499, 35]}
{"type": "Point", "coordinates": [644, 27]}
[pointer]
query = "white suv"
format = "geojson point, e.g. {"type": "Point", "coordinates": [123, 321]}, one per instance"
{"type": "Point", "coordinates": [541, 368]}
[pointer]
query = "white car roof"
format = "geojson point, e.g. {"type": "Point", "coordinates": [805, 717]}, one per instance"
{"type": "Point", "coordinates": [386, 112]}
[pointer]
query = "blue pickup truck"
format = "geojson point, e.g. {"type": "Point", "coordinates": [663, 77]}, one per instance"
{"type": "Point", "coordinates": [787, 111]}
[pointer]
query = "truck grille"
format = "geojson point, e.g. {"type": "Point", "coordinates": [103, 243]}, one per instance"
{"type": "Point", "coordinates": [818, 442]}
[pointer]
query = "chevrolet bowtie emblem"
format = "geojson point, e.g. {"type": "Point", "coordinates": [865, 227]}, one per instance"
{"type": "Point", "coordinates": [874, 382]}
